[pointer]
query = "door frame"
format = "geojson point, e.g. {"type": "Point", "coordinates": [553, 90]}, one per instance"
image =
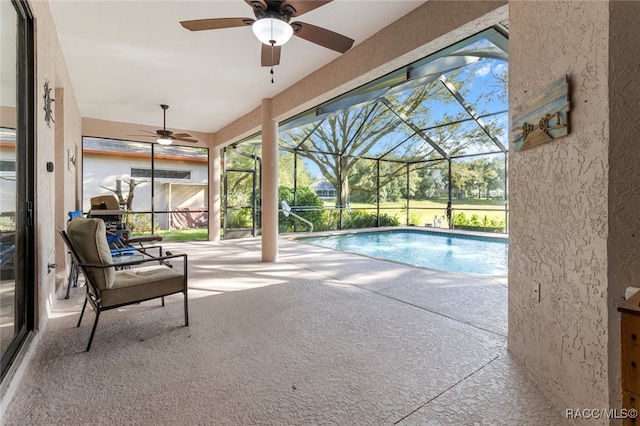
{"type": "Point", "coordinates": [25, 282]}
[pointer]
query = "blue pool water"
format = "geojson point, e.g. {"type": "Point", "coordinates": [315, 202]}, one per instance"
{"type": "Point", "coordinates": [446, 252]}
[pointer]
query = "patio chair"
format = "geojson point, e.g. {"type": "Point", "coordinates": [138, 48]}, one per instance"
{"type": "Point", "coordinates": [108, 288]}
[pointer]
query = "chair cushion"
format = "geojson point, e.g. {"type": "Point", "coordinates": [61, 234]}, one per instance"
{"type": "Point", "coordinates": [89, 238]}
{"type": "Point", "coordinates": [147, 282]}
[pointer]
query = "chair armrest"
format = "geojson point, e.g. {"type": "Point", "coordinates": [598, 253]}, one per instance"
{"type": "Point", "coordinates": [144, 239]}
{"type": "Point", "coordinates": [133, 262]}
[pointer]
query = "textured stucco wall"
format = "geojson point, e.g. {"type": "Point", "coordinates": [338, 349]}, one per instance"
{"type": "Point", "coordinates": [68, 179]}
{"type": "Point", "coordinates": [624, 170]}
{"type": "Point", "coordinates": [50, 140]}
{"type": "Point", "coordinates": [558, 204]}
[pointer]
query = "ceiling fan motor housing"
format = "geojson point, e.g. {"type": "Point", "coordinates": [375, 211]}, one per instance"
{"type": "Point", "coordinates": [273, 11]}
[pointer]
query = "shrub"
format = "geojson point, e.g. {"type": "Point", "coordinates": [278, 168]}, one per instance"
{"type": "Point", "coordinates": [306, 197]}
{"type": "Point", "coordinates": [328, 220]}
{"type": "Point", "coordinates": [460, 220]}
{"type": "Point", "coordinates": [414, 219]}
{"type": "Point", "coordinates": [140, 223]}
{"type": "Point", "coordinates": [386, 220]}
{"type": "Point", "coordinates": [239, 218]}
{"type": "Point", "coordinates": [325, 220]}
{"type": "Point", "coordinates": [362, 219]}
{"type": "Point", "coordinates": [358, 219]}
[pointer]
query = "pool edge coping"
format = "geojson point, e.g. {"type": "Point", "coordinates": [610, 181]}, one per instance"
{"type": "Point", "coordinates": [297, 235]}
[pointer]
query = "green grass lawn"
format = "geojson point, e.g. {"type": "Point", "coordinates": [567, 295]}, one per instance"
{"type": "Point", "coordinates": [182, 234]}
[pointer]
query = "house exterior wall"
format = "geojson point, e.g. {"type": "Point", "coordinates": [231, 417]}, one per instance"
{"type": "Point", "coordinates": [101, 171]}
{"type": "Point", "coordinates": [623, 244]}
{"type": "Point", "coordinates": [54, 191]}
{"type": "Point", "coordinates": [58, 137]}
{"type": "Point", "coordinates": [574, 201]}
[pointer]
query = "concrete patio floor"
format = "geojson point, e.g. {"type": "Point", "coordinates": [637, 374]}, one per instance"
{"type": "Point", "coordinates": [320, 337]}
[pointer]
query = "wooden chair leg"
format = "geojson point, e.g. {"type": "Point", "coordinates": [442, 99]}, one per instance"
{"type": "Point", "coordinates": [93, 330]}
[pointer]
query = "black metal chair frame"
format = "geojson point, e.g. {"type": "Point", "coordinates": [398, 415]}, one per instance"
{"type": "Point", "coordinates": [93, 292]}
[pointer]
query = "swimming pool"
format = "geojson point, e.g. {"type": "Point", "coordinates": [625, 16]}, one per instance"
{"type": "Point", "coordinates": [458, 253]}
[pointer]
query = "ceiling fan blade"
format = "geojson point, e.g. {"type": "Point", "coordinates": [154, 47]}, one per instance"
{"type": "Point", "coordinates": [258, 4]}
{"type": "Point", "coordinates": [298, 7]}
{"type": "Point", "coordinates": [185, 140]}
{"type": "Point", "coordinates": [270, 55]}
{"type": "Point", "coordinates": [181, 135]}
{"type": "Point", "coordinates": [146, 131]}
{"type": "Point", "coordinates": [144, 136]}
{"type": "Point", "coordinates": [216, 23]}
{"type": "Point", "coordinates": [322, 36]}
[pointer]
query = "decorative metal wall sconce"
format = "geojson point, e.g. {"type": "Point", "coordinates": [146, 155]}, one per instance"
{"type": "Point", "coordinates": [71, 157]}
{"type": "Point", "coordinates": [48, 111]}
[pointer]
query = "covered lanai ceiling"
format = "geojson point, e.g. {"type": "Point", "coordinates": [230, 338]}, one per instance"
{"type": "Point", "coordinates": [125, 58]}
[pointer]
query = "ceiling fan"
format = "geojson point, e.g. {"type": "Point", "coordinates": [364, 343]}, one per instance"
{"type": "Point", "coordinates": [272, 27]}
{"type": "Point", "coordinates": [166, 137]}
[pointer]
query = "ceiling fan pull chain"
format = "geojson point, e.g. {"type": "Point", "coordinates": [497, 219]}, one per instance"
{"type": "Point", "coordinates": [272, 43]}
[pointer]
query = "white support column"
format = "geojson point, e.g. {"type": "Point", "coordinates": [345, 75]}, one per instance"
{"type": "Point", "coordinates": [214, 194]}
{"type": "Point", "coordinates": [269, 184]}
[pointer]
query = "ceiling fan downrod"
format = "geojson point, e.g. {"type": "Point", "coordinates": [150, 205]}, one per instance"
{"type": "Point", "coordinates": [164, 114]}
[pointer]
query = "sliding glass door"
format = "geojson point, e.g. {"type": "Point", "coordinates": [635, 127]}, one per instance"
{"type": "Point", "coordinates": [16, 179]}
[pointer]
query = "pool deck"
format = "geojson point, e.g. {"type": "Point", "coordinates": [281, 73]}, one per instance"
{"type": "Point", "coordinates": [319, 337]}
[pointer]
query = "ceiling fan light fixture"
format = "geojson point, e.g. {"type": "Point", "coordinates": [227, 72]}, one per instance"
{"type": "Point", "coordinates": [164, 140]}
{"type": "Point", "coordinates": [272, 31]}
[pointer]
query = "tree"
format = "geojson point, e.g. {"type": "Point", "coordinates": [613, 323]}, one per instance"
{"type": "Point", "coordinates": [478, 176]}
{"type": "Point", "coordinates": [464, 178]}
{"type": "Point", "coordinates": [432, 177]}
{"type": "Point", "coordinates": [338, 144]}
{"type": "Point", "coordinates": [128, 202]}
{"type": "Point", "coordinates": [407, 126]}
{"type": "Point", "coordinates": [240, 185]}
{"type": "Point", "coordinates": [494, 174]}
{"type": "Point", "coordinates": [286, 168]}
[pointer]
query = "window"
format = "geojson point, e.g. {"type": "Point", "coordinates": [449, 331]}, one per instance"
{"type": "Point", "coordinates": [7, 166]}
{"type": "Point", "coordinates": [161, 174]}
